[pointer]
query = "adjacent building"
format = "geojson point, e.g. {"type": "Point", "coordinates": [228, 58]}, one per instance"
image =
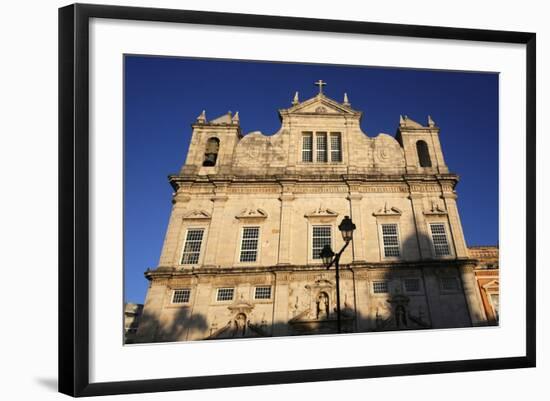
{"type": "Point", "coordinates": [487, 279]}
{"type": "Point", "coordinates": [251, 213]}
{"type": "Point", "coordinates": [132, 316]}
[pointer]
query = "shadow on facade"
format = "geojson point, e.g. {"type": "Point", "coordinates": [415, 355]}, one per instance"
{"type": "Point", "coordinates": [398, 295]}
{"type": "Point", "coordinates": [174, 326]}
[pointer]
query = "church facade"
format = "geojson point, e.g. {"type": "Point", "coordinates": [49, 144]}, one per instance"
{"type": "Point", "coordinates": [252, 212]}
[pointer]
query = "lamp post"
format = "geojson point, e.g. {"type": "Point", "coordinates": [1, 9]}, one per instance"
{"type": "Point", "coordinates": [346, 227]}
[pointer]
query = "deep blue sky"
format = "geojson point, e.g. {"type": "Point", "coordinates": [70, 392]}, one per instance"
{"type": "Point", "coordinates": [163, 97]}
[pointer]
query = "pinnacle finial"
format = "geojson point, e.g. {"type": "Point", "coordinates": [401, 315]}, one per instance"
{"type": "Point", "coordinates": [296, 99]}
{"type": "Point", "coordinates": [401, 120]}
{"type": "Point", "coordinates": [235, 118]}
{"type": "Point", "coordinates": [431, 123]}
{"type": "Point", "coordinates": [346, 101]}
{"type": "Point", "coordinates": [202, 117]}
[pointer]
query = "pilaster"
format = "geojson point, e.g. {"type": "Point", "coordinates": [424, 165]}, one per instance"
{"type": "Point", "coordinates": [216, 225]}
{"type": "Point", "coordinates": [422, 235]}
{"type": "Point", "coordinates": [358, 242]}
{"type": "Point", "coordinates": [280, 304]}
{"type": "Point", "coordinates": [456, 227]}
{"type": "Point", "coordinates": [473, 299]}
{"type": "Point", "coordinates": [285, 229]}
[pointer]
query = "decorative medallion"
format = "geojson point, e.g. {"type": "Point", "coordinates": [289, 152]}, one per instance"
{"type": "Point", "coordinates": [321, 110]}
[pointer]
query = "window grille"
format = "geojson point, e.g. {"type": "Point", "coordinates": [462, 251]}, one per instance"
{"type": "Point", "coordinates": [249, 244]}
{"type": "Point", "coordinates": [380, 287]}
{"type": "Point", "coordinates": [307, 148]}
{"type": "Point", "coordinates": [192, 247]}
{"type": "Point", "coordinates": [321, 237]}
{"type": "Point", "coordinates": [181, 296]}
{"type": "Point", "coordinates": [335, 147]}
{"type": "Point", "coordinates": [439, 238]}
{"type": "Point", "coordinates": [225, 294]}
{"type": "Point", "coordinates": [262, 292]}
{"type": "Point", "coordinates": [321, 147]}
{"type": "Point", "coordinates": [391, 240]}
{"type": "Point", "coordinates": [449, 283]}
{"type": "Point", "coordinates": [412, 285]}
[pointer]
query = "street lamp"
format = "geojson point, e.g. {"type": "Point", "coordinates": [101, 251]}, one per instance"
{"type": "Point", "coordinates": [346, 227]}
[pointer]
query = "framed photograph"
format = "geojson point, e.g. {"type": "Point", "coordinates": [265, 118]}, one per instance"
{"type": "Point", "coordinates": [250, 199]}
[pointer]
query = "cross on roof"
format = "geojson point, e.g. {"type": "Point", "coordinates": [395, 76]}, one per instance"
{"type": "Point", "coordinates": [320, 84]}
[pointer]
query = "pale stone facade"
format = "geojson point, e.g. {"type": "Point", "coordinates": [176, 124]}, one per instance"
{"type": "Point", "coordinates": [240, 256]}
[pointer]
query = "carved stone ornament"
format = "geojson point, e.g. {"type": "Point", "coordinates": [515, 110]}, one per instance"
{"type": "Point", "coordinates": [197, 215]}
{"type": "Point", "coordinates": [252, 214]}
{"type": "Point", "coordinates": [321, 110]}
{"type": "Point", "coordinates": [387, 211]}
{"type": "Point", "coordinates": [435, 210]}
{"type": "Point", "coordinates": [321, 212]}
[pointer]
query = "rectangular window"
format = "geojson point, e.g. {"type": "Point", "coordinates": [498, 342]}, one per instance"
{"type": "Point", "coordinates": [390, 239]}
{"type": "Point", "coordinates": [249, 244]}
{"type": "Point", "coordinates": [307, 147]}
{"type": "Point", "coordinates": [321, 237]}
{"type": "Point", "coordinates": [380, 287]}
{"type": "Point", "coordinates": [412, 285]}
{"type": "Point", "coordinates": [181, 296]}
{"type": "Point", "coordinates": [192, 248]}
{"type": "Point", "coordinates": [439, 238]}
{"type": "Point", "coordinates": [449, 283]}
{"type": "Point", "coordinates": [225, 294]}
{"type": "Point", "coordinates": [263, 292]}
{"type": "Point", "coordinates": [321, 148]}
{"type": "Point", "coordinates": [335, 147]}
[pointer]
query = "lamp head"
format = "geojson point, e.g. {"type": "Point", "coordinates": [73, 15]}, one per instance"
{"type": "Point", "coordinates": [346, 228]}
{"type": "Point", "coordinates": [327, 254]}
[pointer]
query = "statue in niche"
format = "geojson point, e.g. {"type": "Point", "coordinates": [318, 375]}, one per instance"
{"type": "Point", "coordinates": [322, 306]}
{"type": "Point", "coordinates": [239, 325]}
{"type": "Point", "coordinates": [400, 316]}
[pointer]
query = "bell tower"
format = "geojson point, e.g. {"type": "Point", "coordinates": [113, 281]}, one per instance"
{"type": "Point", "coordinates": [421, 146]}
{"type": "Point", "coordinates": [212, 144]}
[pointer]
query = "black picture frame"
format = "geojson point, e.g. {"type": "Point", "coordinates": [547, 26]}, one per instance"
{"type": "Point", "coordinates": [74, 194]}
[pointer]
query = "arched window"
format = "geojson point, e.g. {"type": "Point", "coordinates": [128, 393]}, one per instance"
{"type": "Point", "coordinates": [423, 154]}
{"type": "Point", "coordinates": [211, 152]}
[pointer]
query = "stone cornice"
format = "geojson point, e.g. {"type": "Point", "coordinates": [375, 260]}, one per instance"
{"type": "Point", "coordinates": [167, 272]}
{"type": "Point", "coordinates": [442, 185]}
{"type": "Point", "coordinates": [299, 178]}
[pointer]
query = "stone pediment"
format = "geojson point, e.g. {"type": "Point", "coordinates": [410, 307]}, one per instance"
{"type": "Point", "coordinates": [405, 121]}
{"type": "Point", "coordinates": [321, 105]}
{"type": "Point", "coordinates": [197, 215]}
{"type": "Point", "coordinates": [252, 214]}
{"type": "Point", "coordinates": [387, 211]}
{"type": "Point", "coordinates": [225, 119]}
{"type": "Point", "coordinates": [321, 212]}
